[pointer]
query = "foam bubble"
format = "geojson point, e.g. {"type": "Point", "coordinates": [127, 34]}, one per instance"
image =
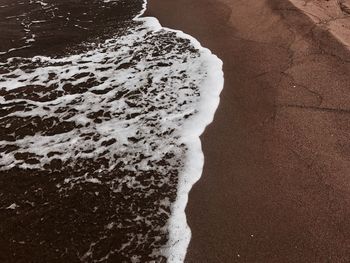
{"type": "Point", "coordinates": [137, 104]}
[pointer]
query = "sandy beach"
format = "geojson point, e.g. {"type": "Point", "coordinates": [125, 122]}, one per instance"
{"type": "Point", "coordinates": [330, 15]}
{"type": "Point", "coordinates": [275, 186]}
{"type": "Point", "coordinates": [101, 111]}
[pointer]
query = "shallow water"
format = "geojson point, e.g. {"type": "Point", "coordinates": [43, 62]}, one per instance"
{"type": "Point", "coordinates": [99, 140]}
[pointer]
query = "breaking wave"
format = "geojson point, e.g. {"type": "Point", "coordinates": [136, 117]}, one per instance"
{"type": "Point", "coordinates": [109, 138]}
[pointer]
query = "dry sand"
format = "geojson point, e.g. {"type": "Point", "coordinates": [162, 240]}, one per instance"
{"type": "Point", "coordinates": [332, 15]}
{"type": "Point", "coordinates": [276, 181]}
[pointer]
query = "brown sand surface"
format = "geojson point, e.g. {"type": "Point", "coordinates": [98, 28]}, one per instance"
{"type": "Point", "coordinates": [276, 181]}
{"type": "Point", "coordinates": [332, 15]}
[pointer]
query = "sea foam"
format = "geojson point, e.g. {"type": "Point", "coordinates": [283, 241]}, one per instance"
{"type": "Point", "coordinates": [136, 104]}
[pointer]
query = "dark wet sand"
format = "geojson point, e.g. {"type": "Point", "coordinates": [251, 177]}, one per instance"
{"type": "Point", "coordinates": [276, 181]}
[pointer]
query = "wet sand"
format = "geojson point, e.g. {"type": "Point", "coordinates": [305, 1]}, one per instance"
{"type": "Point", "coordinates": [276, 185]}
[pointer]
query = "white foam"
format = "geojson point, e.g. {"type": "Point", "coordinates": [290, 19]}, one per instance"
{"type": "Point", "coordinates": [210, 89]}
{"type": "Point", "coordinates": [201, 73]}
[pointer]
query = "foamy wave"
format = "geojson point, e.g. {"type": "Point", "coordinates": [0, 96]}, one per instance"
{"type": "Point", "coordinates": [131, 111]}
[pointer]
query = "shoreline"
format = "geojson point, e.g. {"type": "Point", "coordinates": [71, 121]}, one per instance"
{"type": "Point", "coordinates": [275, 181]}
{"type": "Point", "coordinates": [211, 87]}
{"type": "Point", "coordinates": [101, 145]}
